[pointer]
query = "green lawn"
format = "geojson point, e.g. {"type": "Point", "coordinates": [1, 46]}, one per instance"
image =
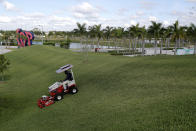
{"type": "Point", "coordinates": [115, 92]}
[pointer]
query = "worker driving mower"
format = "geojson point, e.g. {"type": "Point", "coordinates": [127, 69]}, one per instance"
{"type": "Point", "coordinates": [59, 89]}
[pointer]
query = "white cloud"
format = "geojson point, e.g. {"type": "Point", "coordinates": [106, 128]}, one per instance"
{"type": "Point", "coordinates": [152, 18]}
{"type": "Point", "coordinates": [84, 8]}
{"type": "Point", "coordinates": [32, 20]}
{"type": "Point", "coordinates": [148, 5]}
{"type": "Point", "coordinates": [79, 15]}
{"type": "Point", "coordinates": [139, 13]}
{"type": "Point", "coordinates": [85, 11]}
{"type": "Point", "coordinates": [137, 16]}
{"type": "Point", "coordinates": [191, 0]}
{"type": "Point", "coordinates": [166, 23]}
{"type": "Point", "coordinates": [133, 22]}
{"type": "Point", "coordinates": [90, 14]}
{"type": "Point", "coordinates": [122, 11]}
{"type": "Point", "coordinates": [185, 18]}
{"type": "Point", "coordinates": [8, 6]}
{"type": "Point", "coordinates": [5, 19]}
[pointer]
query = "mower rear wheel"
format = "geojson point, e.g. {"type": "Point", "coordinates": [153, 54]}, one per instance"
{"type": "Point", "coordinates": [58, 97]}
{"type": "Point", "coordinates": [74, 90]}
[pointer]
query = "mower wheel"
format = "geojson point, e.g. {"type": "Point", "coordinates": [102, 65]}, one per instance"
{"type": "Point", "coordinates": [74, 90]}
{"type": "Point", "coordinates": [58, 97]}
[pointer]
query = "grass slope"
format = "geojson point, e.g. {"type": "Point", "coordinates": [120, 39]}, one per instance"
{"type": "Point", "coordinates": [115, 93]}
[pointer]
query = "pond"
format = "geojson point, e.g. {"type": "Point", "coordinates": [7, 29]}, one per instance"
{"type": "Point", "coordinates": [76, 45]}
{"type": "Point", "coordinates": [79, 46]}
{"type": "Point", "coordinates": [37, 43]}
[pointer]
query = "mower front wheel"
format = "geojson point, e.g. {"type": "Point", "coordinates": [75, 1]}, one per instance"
{"type": "Point", "coordinates": [74, 90]}
{"type": "Point", "coordinates": [58, 97]}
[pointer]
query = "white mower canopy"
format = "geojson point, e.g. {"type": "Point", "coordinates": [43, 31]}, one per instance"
{"type": "Point", "coordinates": [64, 68]}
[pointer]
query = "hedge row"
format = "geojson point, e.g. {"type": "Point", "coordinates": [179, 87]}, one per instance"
{"type": "Point", "coordinates": [49, 43]}
{"type": "Point", "coordinates": [124, 52]}
{"type": "Point", "coordinates": [171, 48]}
{"type": "Point", "coordinates": [63, 44]}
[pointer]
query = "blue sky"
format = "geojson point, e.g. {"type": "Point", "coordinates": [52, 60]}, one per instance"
{"type": "Point", "coordinates": [63, 14]}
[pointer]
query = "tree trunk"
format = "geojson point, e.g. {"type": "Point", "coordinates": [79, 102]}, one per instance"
{"type": "Point", "coordinates": [166, 40]}
{"type": "Point", "coordinates": [143, 44]}
{"type": "Point", "coordinates": [189, 43]}
{"type": "Point", "coordinates": [98, 43]}
{"type": "Point", "coordinates": [115, 44]}
{"type": "Point", "coordinates": [179, 43]}
{"type": "Point", "coordinates": [161, 47]}
{"type": "Point", "coordinates": [135, 44]}
{"type": "Point", "coordinates": [195, 49]}
{"type": "Point", "coordinates": [168, 43]}
{"type": "Point", "coordinates": [140, 44]}
{"type": "Point", "coordinates": [130, 44]}
{"type": "Point", "coordinates": [175, 51]}
{"type": "Point", "coordinates": [183, 43]}
{"type": "Point", "coordinates": [155, 47]}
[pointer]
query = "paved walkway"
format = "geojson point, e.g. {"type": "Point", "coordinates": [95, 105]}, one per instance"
{"type": "Point", "coordinates": [4, 50]}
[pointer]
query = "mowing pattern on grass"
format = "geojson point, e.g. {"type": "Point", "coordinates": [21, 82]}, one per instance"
{"type": "Point", "coordinates": [115, 93]}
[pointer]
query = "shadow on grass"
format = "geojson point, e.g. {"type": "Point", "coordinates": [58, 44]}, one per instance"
{"type": "Point", "coordinates": [10, 106]}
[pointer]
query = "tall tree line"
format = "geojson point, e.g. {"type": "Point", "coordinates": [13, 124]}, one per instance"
{"type": "Point", "coordinates": [174, 36]}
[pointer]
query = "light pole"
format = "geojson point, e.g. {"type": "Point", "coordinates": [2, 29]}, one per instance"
{"type": "Point", "coordinates": [42, 34]}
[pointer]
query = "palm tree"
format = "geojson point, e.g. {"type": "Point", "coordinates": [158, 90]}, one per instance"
{"type": "Point", "coordinates": [176, 34]}
{"type": "Point", "coordinates": [81, 29]}
{"type": "Point", "coordinates": [163, 34]}
{"type": "Point", "coordinates": [155, 29]}
{"type": "Point", "coordinates": [98, 32]}
{"type": "Point", "coordinates": [183, 35]}
{"type": "Point", "coordinates": [91, 31]}
{"type": "Point", "coordinates": [107, 32]}
{"type": "Point", "coordinates": [118, 34]}
{"type": "Point", "coordinates": [150, 36]}
{"type": "Point", "coordinates": [191, 32]}
{"type": "Point", "coordinates": [168, 34]}
{"type": "Point", "coordinates": [134, 31]}
{"type": "Point", "coordinates": [142, 33]}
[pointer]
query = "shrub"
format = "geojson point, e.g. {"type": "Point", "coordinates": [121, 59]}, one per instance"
{"type": "Point", "coordinates": [65, 44]}
{"type": "Point", "coordinates": [49, 43]}
{"type": "Point", "coordinates": [171, 48]}
{"type": "Point", "coordinates": [4, 62]}
{"type": "Point", "coordinates": [124, 52]}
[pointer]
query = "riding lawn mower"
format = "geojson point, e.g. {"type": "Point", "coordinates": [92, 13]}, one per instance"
{"type": "Point", "coordinates": [59, 89]}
